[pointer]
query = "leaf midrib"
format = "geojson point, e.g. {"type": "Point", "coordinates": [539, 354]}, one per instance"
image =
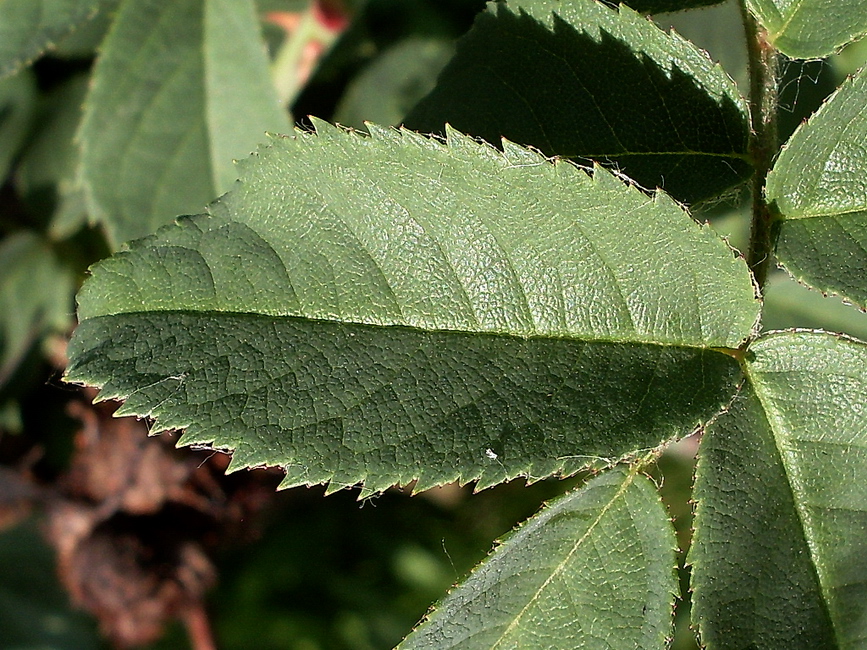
{"type": "Point", "coordinates": [708, 347]}
{"type": "Point", "coordinates": [628, 480]}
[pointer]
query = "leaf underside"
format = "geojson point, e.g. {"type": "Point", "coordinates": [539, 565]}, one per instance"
{"type": "Point", "coordinates": [162, 124]}
{"type": "Point", "coordinates": [591, 570]}
{"type": "Point", "coordinates": [388, 308]}
{"type": "Point", "coordinates": [780, 554]}
{"type": "Point", "coordinates": [648, 103]}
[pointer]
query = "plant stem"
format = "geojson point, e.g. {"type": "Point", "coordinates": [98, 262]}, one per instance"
{"type": "Point", "coordinates": [296, 57]}
{"type": "Point", "coordinates": [763, 140]}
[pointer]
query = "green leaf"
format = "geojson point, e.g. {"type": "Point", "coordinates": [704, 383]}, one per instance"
{"type": "Point", "coordinates": [85, 41]}
{"type": "Point", "coordinates": [17, 101]}
{"type": "Point", "coordinates": [780, 555]}
{"type": "Point", "coordinates": [819, 187]}
{"type": "Point", "coordinates": [162, 123]}
{"type": "Point", "coordinates": [594, 569]}
{"type": "Point", "coordinates": [811, 29]}
{"type": "Point", "coordinates": [390, 308]}
{"type": "Point", "coordinates": [35, 297]}
{"type": "Point", "coordinates": [394, 82]}
{"type": "Point", "coordinates": [29, 27]}
{"type": "Point", "coordinates": [671, 119]}
{"type": "Point", "coordinates": [48, 171]}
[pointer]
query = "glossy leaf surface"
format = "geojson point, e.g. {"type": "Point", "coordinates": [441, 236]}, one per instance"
{"type": "Point", "coordinates": [810, 29]}
{"type": "Point", "coordinates": [780, 554]}
{"type": "Point", "coordinates": [649, 103]}
{"type": "Point", "coordinates": [387, 308]}
{"type": "Point", "coordinates": [180, 89]}
{"type": "Point", "coordinates": [819, 186]}
{"type": "Point", "coordinates": [594, 569]}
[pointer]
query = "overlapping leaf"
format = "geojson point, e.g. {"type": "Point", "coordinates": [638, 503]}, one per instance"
{"type": "Point", "coordinates": [819, 187]}
{"type": "Point", "coordinates": [810, 29]}
{"type": "Point", "coordinates": [391, 308]}
{"type": "Point", "coordinates": [780, 552]}
{"type": "Point", "coordinates": [28, 27]}
{"type": "Point", "coordinates": [180, 89]}
{"type": "Point", "coordinates": [584, 81]}
{"type": "Point", "coordinates": [592, 570]}
{"type": "Point", "coordinates": [394, 82]}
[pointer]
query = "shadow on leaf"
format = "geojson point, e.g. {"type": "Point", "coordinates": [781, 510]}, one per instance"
{"type": "Point", "coordinates": [514, 77]}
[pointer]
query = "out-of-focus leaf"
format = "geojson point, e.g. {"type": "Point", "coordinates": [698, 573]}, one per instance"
{"type": "Point", "coordinates": [29, 27]}
{"type": "Point", "coordinates": [180, 89]}
{"type": "Point", "coordinates": [34, 611]}
{"type": "Point", "coordinates": [852, 58]}
{"type": "Point", "coordinates": [394, 82]}
{"type": "Point", "coordinates": [390, 308]}
{"type": "Point", "coordinates": [17, 98]}
{"type": "Point", "coordinates": [48, 170]}
{"type": "Point", "coordinates": [583, 81]}
{"type": "Point", "coordinates": [85, 41]}
{"type": "Point", "coordinates": [595, 569]}
{"type": "Point", "coordinates": [35, 297]}
{"type": "Point", "coordinates": [819, 188]}
{"type": "Point", "coordinates": [811, 29]}
{"type": "Point", "coordinates": [780, 550]}
{"type": "Point", "coordinates": [788, 303]}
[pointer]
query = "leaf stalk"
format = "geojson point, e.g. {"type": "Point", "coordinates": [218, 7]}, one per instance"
{"type": "Point", "coordinates": [762, 59]}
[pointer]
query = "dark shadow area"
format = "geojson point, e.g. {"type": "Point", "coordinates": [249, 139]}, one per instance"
{"type": "Point", "coordinates": [660, 6]}
{"type": "Point", "coordinates": [379, 25]}
{"type": "Point", "coordinates": [804, 85]}
{"type": "Point", "coordinates": [569, 95]}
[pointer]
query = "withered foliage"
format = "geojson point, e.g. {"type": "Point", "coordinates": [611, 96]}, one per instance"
{"type": "Point", "coordinates": [135, 523]}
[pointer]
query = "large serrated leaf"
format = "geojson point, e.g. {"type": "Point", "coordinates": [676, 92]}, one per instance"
{"type": "Point", "coordinates": [592, 570]}
{"type": "Point", "coordinates": [819, 187]}
{"type": "Point", "coordinates": [29, 27]}
{"type": "Point", "coordinates": [580, 80]}
{"type": "Point", "coordinates": [180, 89]}
{"type": "Point", "coordinates": [390, 308]}
{"type": "Point", "coordinates": [811, 29]}
{"type": "Point", "coordinates": [780, 550]}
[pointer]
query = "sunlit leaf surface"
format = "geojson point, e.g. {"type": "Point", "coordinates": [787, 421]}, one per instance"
{"type": "Point", "coordinates": [390, 308]}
